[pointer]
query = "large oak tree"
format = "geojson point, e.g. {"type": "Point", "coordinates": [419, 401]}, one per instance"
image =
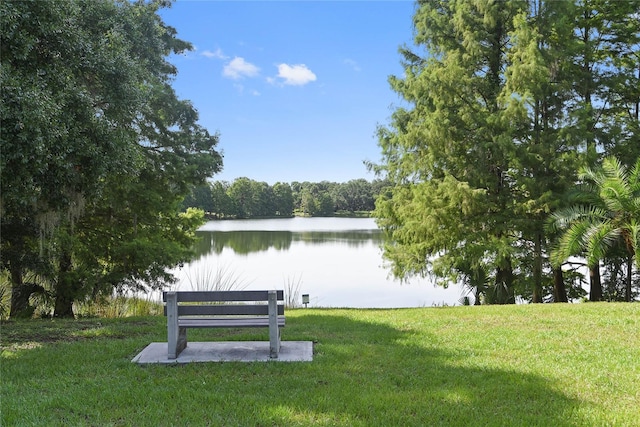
{"type": "Point", "coordinates": [97, 150]}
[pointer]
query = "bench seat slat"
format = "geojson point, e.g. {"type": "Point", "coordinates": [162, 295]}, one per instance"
{"type": "Point", "coordinates": [225, 310]}
{"type": "Point", "coordinates": [206, 296]}
{"type": "Point", "coordinates": [227, 322]}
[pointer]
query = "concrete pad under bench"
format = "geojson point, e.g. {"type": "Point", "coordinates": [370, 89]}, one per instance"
{"type": "Point", "coordinates": [228, 351]}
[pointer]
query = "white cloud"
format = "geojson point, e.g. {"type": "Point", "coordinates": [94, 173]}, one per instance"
{"type": "Point", "coordinates": [239, 68]}
{"type": "Point", "coordinates": [353, 64]}
{"type": "Point", "coordinates": [295, 75]}
{"type": "Point", "coordinates": [217, 54]}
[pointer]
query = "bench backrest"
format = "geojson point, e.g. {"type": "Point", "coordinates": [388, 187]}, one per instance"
{"type": "Point", "coordinates": [225, 303]}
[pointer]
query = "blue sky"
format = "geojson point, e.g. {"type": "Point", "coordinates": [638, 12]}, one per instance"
{"type": "Point", "coordinates": [296, 89]}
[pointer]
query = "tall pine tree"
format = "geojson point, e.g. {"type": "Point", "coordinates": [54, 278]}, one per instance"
{"type": "Point", "coordinates": [505, 102]}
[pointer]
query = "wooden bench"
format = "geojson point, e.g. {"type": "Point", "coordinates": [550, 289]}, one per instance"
{"type": "Point", "coordinates": [223, 309]}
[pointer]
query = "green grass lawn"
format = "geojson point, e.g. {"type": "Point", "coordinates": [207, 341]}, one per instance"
{"type": "Point", "coordinates": [544, 365]}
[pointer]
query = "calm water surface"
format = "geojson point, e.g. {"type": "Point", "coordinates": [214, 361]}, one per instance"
{"type": "Point", "coordinates": [337, 261]}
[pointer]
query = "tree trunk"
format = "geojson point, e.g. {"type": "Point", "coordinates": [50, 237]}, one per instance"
{"type": "Point", "coordinates": [627, 288]}
{"type": "Point", "coordinates": [559, 290]}
{"type": "Point", "coordinates": [19, 294]}
{"type": "Point", "coordinates": [65, 289]}
{"type": "Point", "coordinates": [537, 269]}
{"type": "Point", "coordinates": [477, 293]}
{"type": "Point", "coordinates": [504, 285]}
{"type": "Point", "coordinates": [596, 285]}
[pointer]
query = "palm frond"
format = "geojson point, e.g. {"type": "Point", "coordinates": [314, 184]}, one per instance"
{"type": "Point", "coordinates": [571, 243]}
{"type": "Point", "coordinates": [613, 169]}
{"type": "Point", "coordinates": [634, 177]}
{"type": "Point", "coordinates": [584, 193]}
{"type": "Point", "coordinates": [605, 212]}
{"type": "Point", "coordinates": [589, 175]}
{"type": "Point", "coordinates": [598, 239]}
{"type": "Point", "coordinates": [564, 218]}
{"type": "Point", "coordinates": [615, 195]}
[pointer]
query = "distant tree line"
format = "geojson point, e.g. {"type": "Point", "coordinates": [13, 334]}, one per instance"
{"type": "Point", "coordinates": [246, 198]}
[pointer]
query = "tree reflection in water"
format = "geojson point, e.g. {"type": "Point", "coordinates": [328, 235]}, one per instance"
{"type": "Point", "coordinates": [339, 266]}
{"type": "Point", "coordinates": [246, 242]}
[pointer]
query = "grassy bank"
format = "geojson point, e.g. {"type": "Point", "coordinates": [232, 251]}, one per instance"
{"type": "Point", "coordinates": [560, 365]}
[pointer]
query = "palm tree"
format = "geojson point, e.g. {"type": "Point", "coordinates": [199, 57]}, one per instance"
{"type": "Point", "coordinates": [605, 213]}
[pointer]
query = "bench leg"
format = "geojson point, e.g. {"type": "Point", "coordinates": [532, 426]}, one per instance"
{"type": "Point", "coordinates": [274, 330]}
{"type": "Point", "coordinates": [274, 342]}
{"type": "Point", "coordinates": [182, 341]}
{"type": "Point", "coordinates": [176, 336]}
{"type": "Point", "coordinates": [177, 341]}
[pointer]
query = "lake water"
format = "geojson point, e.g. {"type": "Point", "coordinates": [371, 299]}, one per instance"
{"type": "Point", "coordinates": [337, 261]}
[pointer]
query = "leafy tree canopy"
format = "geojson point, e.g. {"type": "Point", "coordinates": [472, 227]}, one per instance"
{"type": "Point", "coordinates": [97, 150]}
{"type": "Point", "coordinates": [503, 103]}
